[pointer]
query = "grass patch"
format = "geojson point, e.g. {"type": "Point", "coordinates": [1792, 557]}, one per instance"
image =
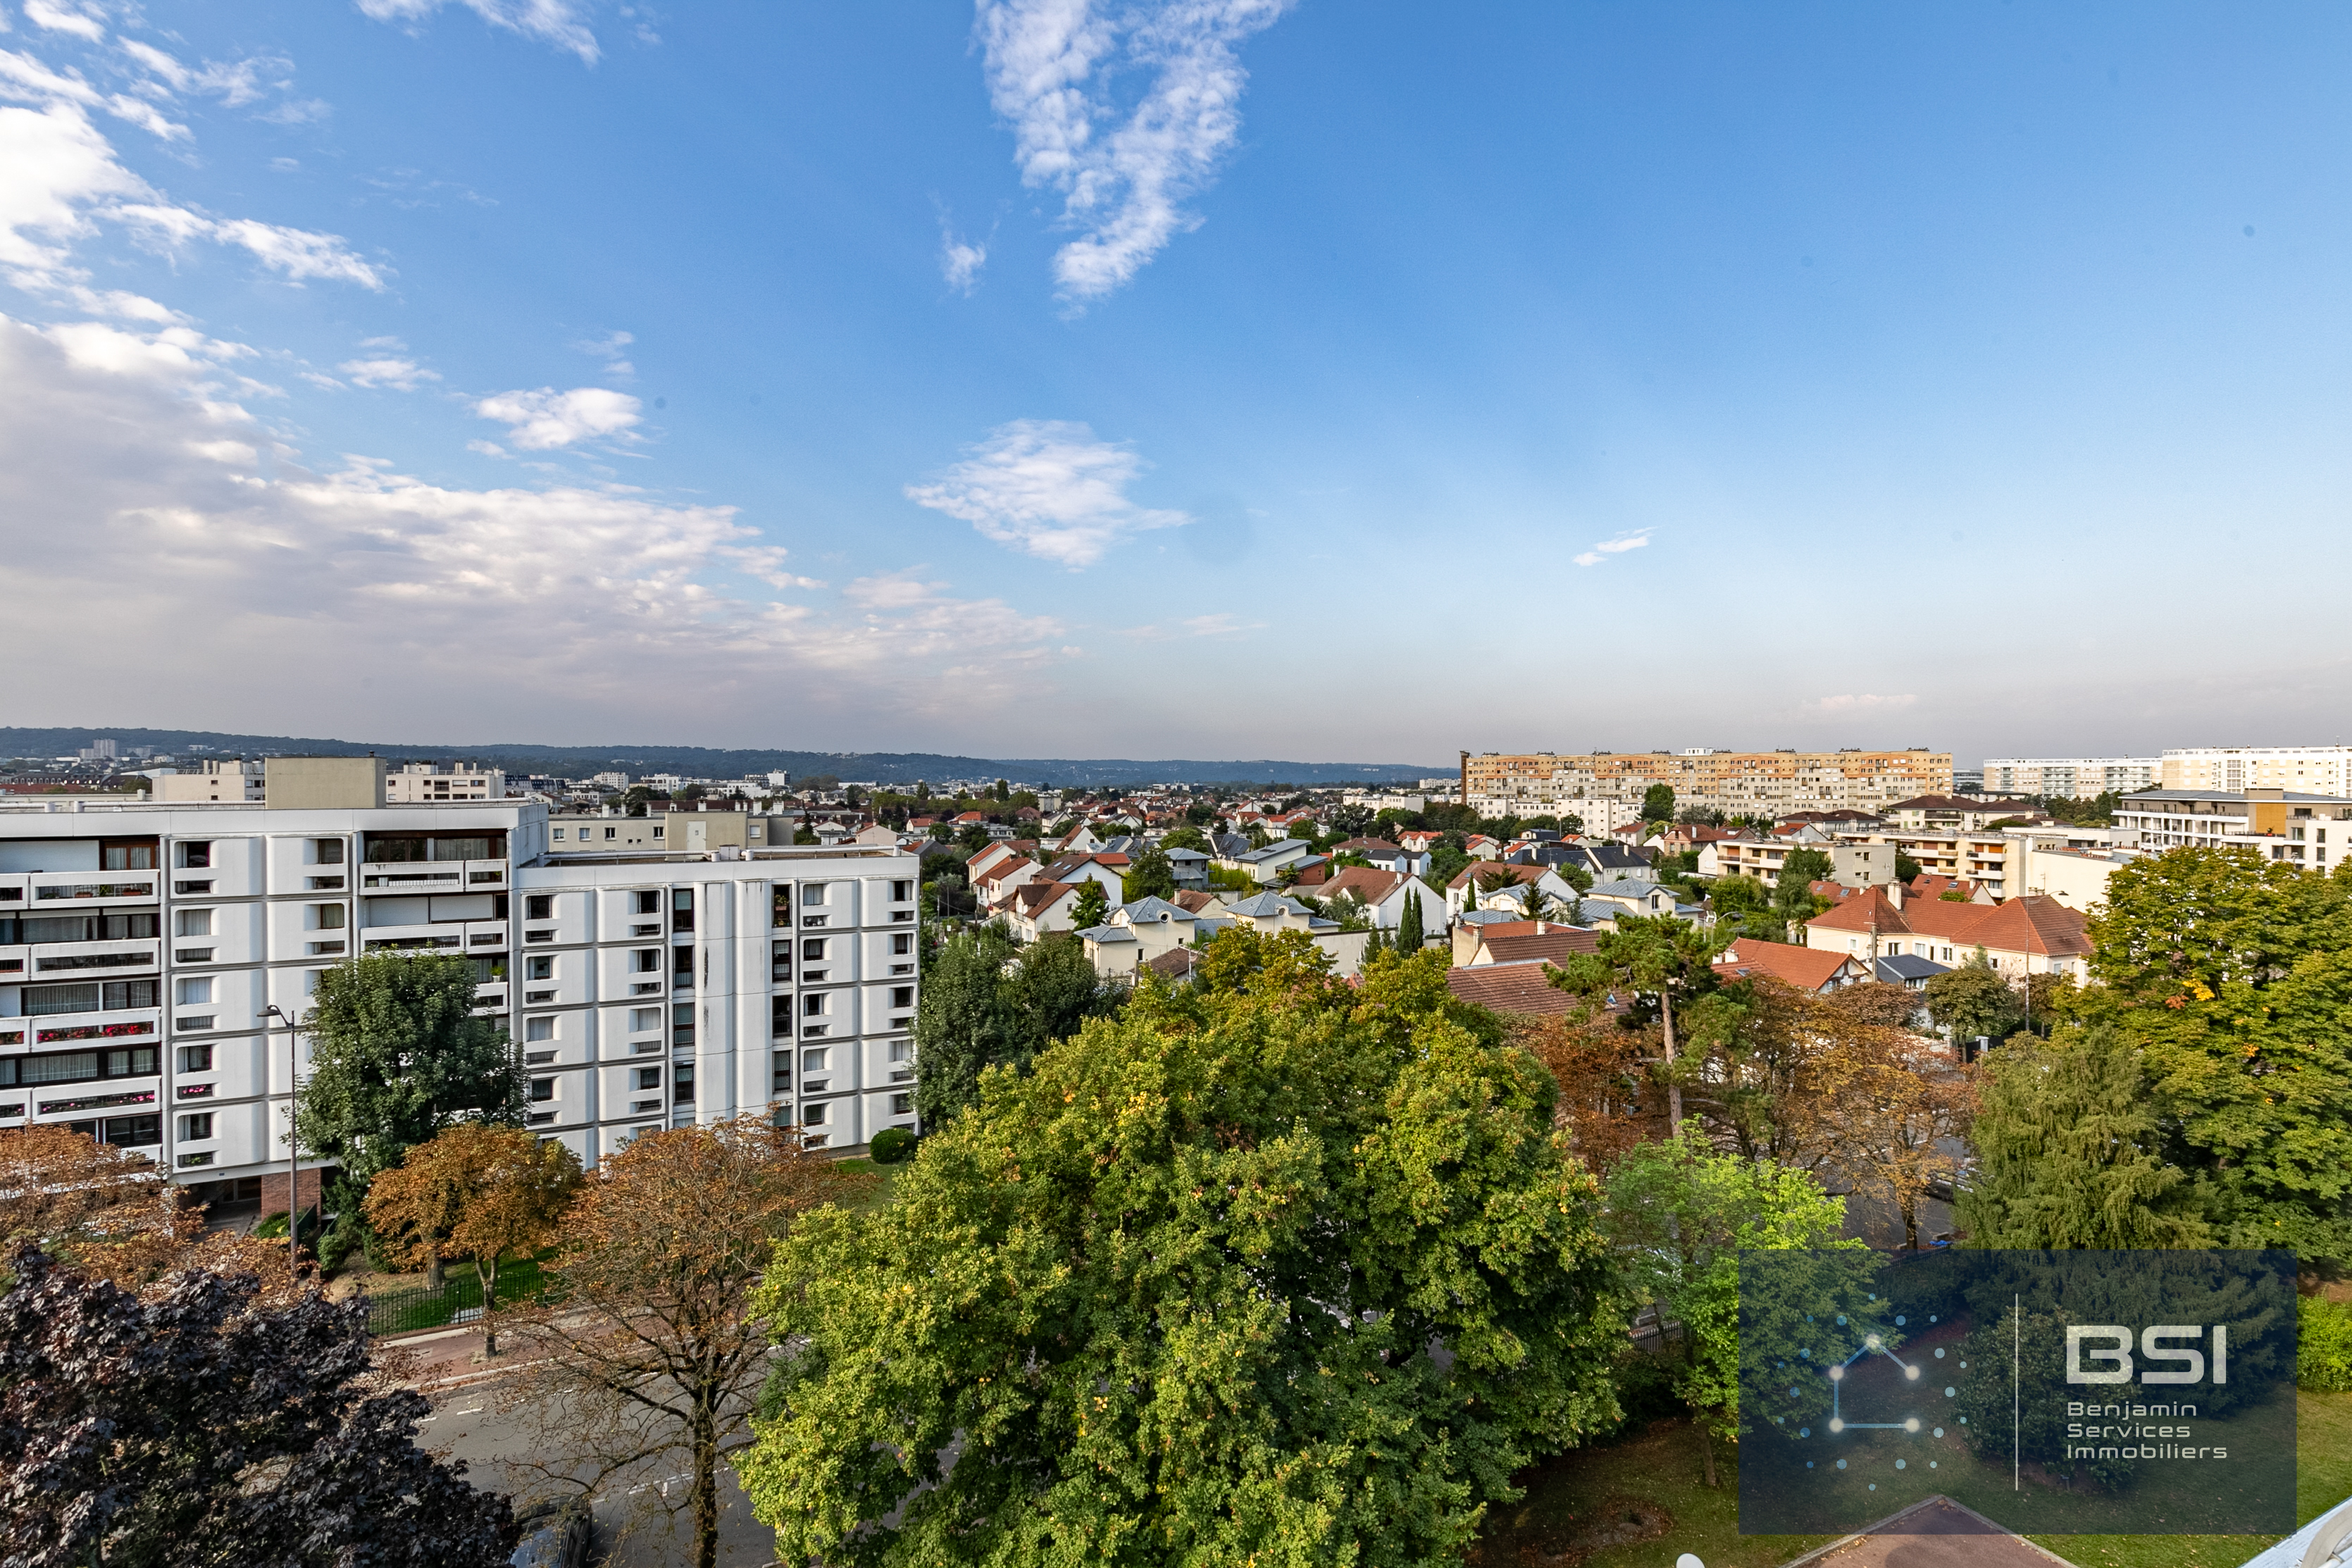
{"type": "Point", "coordinates": [1576, 1501]}
{"type": "Point", "coordinates": [881, 1195]}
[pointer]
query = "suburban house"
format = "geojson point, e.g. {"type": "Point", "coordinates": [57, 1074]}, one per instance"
{"type": "Point", "coordinates": [1761, 856]}
{"type": "Point", "coordinates": [1469, 887]}
{"type": "Point", "coordinates": [1078, 840]}
{"type": "Point", "coordinates": [1478, 847]}
{"type": "Point", "coordinates": [1383, 896]}
{"type": "Point", "coordinates": [1383, 856]}
{"type": "Point", "coordinates": [1908, 970]}
{"type": "Point", "coordinates": [1808, 969]}
{"type": "Point", "coordinates": [1271, 913]}
{"type": "Point", "coordinates": [1263, 866]}
{"type": "Point", "coordinates": [1520, 942]}
{"type": "Point", "coordinates": [2030, 935]}
{"type": "Point", "coordinates": [1192, 867]}
{"type": "Point", "coordinates": [996, 854]}
{"type": "Point", "coordinates": [1605, 903]}
{"type": "Point", "coordinates": [994, 886]}
{"type": "Point", "coordinates": [1107, 870]}
{"type": "Point", "coordinates": [1037, 907]}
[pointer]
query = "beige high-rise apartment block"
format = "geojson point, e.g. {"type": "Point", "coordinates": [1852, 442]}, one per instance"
{"type": "Point", "coordinates": [2307, 770]}
{"type": "Point", "coordinates": [1595, 785]}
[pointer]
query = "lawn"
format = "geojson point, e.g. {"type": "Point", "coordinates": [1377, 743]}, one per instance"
{"type": "Point", "coordinates": [1640, 1501]}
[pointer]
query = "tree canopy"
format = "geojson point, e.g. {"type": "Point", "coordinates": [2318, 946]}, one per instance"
{"type": "Point", "coordinates": [479, 1191]}
{"type": "Point", "coordinates": [396, 1054]}
{"type": "Point", "coordinates": [1293, 1272]}
{"type": "Point", "coordinates": [987, 1002]}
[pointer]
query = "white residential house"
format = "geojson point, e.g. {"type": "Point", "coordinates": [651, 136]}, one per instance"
{"type": "Point", "coordinates": [1382, 895]}
{"type": "Point", "coordinates": [1468, 889]}
{"type": "Point", "coordinates": [1266, 866]}
{"type": "Point", "coordinates": [1606, 902]}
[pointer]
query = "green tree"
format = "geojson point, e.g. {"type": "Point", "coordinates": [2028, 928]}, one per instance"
{"type": "Point", "coordinates": [1409, 936]}
{"type": "Point", "coordinates": [1093, 906]}
{"type": "Point", "coordinates": [1658, 804]}
{"type": "Point", "coordinates": [1188, 838]}
{"type": "Point", "coordinates": [1051, 990]}
{"type": "Point", "coordinates": [1656, 961]}
{"type": "Point", "coordinates": [2070, 1152]}
{"type": "Point", "coordinates": [1906, 870]}
{"type": "Point", "coordinates": [1793, 897]}
{"type": "Point", "coordinates": [396, 1056]}
{"type": "Point", "coordinates": [1152, 878]}
{"type": "Point", "coordinates": [2232, 977]}
{"type": "Point", "coordinates": [1678, 1214]}
{"type": "Point", "coordinates": [1172, 1296]}
{"type": "Point", "coordinates": [1974, 1001]}
{"type": "Point", "coordinates": [960, 1023]}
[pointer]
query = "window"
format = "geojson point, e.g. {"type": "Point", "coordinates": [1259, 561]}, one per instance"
{"type": "Point", "coordinates": [681, 964]}
{"type": "Point", "coordinates": [197, 856]}
{"type": "Point", "coordinates": [780, 1081]}
{"type": "Point", "coordinates": [780, 905]}
{"type": "Point", "coordinates": [813, 1006]}
{"type": "Point", "coordinates": [646, 961]}
{"type": "Point", "coordinates": [902, 893]}
{"type": "Point", "coordinates": [197, 1128]}
{"type": "Point", "coordinates": [559, 836]}
{"type": "Point", "coordinates": [780, 1015]}
{"type": "Point", "coordinates": [328, 917]}
{"type": "Point", "coordinates": [813, 1115]}
{"type": "Point", "coordinates": [642, 1019]}
{"type": "Point", "coordinates": [44, 1001]}
{"type": "Point", "coordinates": [539, 968]}
{"type": "Point", "coordinates": [814, 1060]}
{"type": "Point", "coordinates": [812, 894]}
{"type": "Point", "coordinates": [902, 945]}
{"type": "Point", "coordinates": [538, 907]}
{"type": "Point", "coordinates": [609, 833]}
{"type": "Point", "coordinates": [194, 993]}
{"type": "Point", "coordinates": [780, 962]}
{"type": "Point", "coordinates": [902, 1050]}
{"type": "Point", "coordinates": [131, 856]}
{"type": "Point", "coordinates": [902, 1105]}
{"type": "Point", "coordinates": [191, 923]}
{"type": "Point", "coordinates": [644, 902]}
{"type": "Point", "coordinates": [534, 1029]}
{"type": "Point", "coordinates": [195, 1059]}
{"type": "Point", "coordinates": [682, 909]}
{"type": "Point", "coordinates": [542, 1089]}
{"type": "Point", "coordinates": [902, 997]}
{"type": "Point", "coordinates": [648, 1077]}
{"type": "Point", "coordinates": [681, 1024]}
{"type": "Point", "coordinates": [657, 830]}
{"type": "Point", "coordinates": [681, 1080]}
{"type": "Point", "coordinates": [812, 949]}
{"type": "Point", "coordinates": [327, 851]}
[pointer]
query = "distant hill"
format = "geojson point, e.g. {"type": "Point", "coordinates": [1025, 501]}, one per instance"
{"type": "Point", "coordinates": [877, 767]}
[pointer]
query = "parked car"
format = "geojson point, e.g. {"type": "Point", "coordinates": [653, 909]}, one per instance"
{"type": "Point", "coordinates": [555, 1535]}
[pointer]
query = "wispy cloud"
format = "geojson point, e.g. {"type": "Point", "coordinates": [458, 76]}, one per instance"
{"type": "Point", "coordinates": [544, 420]}
{"type": "Point", "coordinates": [960, 261]}
{"type": "Point", "coordinates": [387, 370]}
{"type": "Point", "coordinates": [554, 22]}
{"type": "Point", "coordinates": [609, 348]}
{"type": "Point", "coordinates": [1124, 172]}
{"type": "Point", "coordinates": [1223, 624]}
{"type": "Point", "coordinates": [1046, 488]}
{"type": "Point", "coordinates": [1617, 546]}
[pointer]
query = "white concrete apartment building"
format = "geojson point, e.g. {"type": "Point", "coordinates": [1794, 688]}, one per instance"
{"type": "Point", "coordinates": [2071, 778]}
{"type": "Point", "coordinates": [141, 942]}
{"type": "Point", "coordinates": [2309, 830]}
{"type": "Point", "coordinates": [418, 784]}
{"type": "Point", "coordinates": [1606, 788]}
{"type": "Point", "coordinates": [2307, 770]}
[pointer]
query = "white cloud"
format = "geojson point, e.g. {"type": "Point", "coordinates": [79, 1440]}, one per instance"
{"type": "Point", "coordinates": [1862, 702]}
{"type": "Point", "coordinates": [1617, 546]}
{"type": "Point", "coordinates": [1046, 488]}
{"type": "Point", "coordinates": [123, 481]}
{"type": "Point", "coordinates": [554, 22]}
{"type": "Point", "coordinates": [544, 420]}
{"type": "Point", "coordinates": [400, 375]}
{"type": "Point", "coordinates": [960, 263]}
{"type": "Point", "coordinates": [1124, 174]}
{"type": "Point", "coordinates": [766, 562]}
{"type": "Point", "coordinates": [81, 23]}
{"type": "Point", "coordinates": [1223, 624]}
{"type": "Point", "coordinates": [487, 448]}
{"type": "Point", "coordinates": [608, 349]}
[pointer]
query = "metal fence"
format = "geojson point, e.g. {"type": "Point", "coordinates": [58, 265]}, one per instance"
{"type": "Point", "coordinates": [458, 1302]}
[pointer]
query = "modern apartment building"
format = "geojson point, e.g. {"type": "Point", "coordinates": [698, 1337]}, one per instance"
{"type": "Point", "coordinates": [2311, 830]}
{"type": "Point", "coordinates": [2311, 769]}
{"type": "Point", "coordinates": [1606, 787]}
{"type": "Point", "coordinates": [141, 942]}
{"type": "Point", "coordinates": [2071, 778]}
{"type": "Point", "coordinates": [235, 782]}
{"type": "Point", "coordinates": [418, 784]}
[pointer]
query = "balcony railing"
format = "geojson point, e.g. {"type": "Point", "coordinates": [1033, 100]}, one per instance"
{"type": "Point", "coordinates": [79, 887]}
{"type": "Point", "coordinates": [432, 876]}
{"type": "Point", "coordinates": [458, 936]}
{"type": "Point", "coordinates": [92, 958]}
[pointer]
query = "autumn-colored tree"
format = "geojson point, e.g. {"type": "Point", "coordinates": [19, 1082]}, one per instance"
{"type": "Point", "coordinates": [480, 1190]}
{"type": "Point", "coordinates": [1652, 962]}
{"type": "Point", "coordinates": [1895, 1105]}
{"type": "Point", "coordinates": [110, 1213]}
{"type": "Point", "coordinates": [1608, 1101]}
{"type": "Point", "coordinates": [652, 1353]}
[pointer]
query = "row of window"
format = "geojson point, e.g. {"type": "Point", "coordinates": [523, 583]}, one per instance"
{"type": "Point", "coordinates": [77, 1067]}
{"type": "Point", "coordinates": [139, 927]}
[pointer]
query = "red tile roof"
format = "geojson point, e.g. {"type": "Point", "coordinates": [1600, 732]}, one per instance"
{"type": "Point", "coordinates": [2033, 923]}
{"type": "Point", "coordinates": [1368, 883]}
{"type": "Point", "coordinates": [1485, 870]}
{"type": "Point", "coordinates": [1554, 946]}
{"type": "Point", "coordinates": [1522, 988]}
{"type": "Point", "coordinates": [1806, 968]}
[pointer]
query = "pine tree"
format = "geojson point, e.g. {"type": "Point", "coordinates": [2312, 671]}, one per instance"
{"type": "Point", "coordinates": [1093, 907]}
{"type": "Point", "coordinates": [1408, 937]}
{"type": "Point", "coordinates": [2069, 1141]}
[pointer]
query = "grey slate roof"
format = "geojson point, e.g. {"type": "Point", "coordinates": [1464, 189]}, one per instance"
{"type": "Point", "coordinates": [1908, 968]}
{"type": "Point", "coordinates": [1107, 934]}
{"type": "Point", "coordinates": [1278, 846]}
{"type": "Point", "coordinates": [1266, 906]}
{"type": "Point", "coordinates": [1622, 887]}
{"type": "Point", "coordinates": [1154, 908]}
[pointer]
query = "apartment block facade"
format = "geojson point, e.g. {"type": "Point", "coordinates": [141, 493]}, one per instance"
{"type": "Point", "coordinates": [140, 944]}
{"type": "Point", "coordinates": [2307, 770]}
{"type": "Point", "coordinates": [2071, 778]}
{"type": "Point", "coordinates": [418, 784]}
{"type": "Point", "coordinates": [1607, 787]}
{"type": "Point", "coordinates": [2308, 830]}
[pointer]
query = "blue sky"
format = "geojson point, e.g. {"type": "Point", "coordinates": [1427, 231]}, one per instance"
{"type": "Point", "coordinates": [1204, 378]}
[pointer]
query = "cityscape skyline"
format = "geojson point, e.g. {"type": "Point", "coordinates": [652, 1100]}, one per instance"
{"type": "Point", "coordinates": [838, 380]}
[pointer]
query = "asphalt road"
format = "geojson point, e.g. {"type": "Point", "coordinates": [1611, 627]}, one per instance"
{"type": "Point", "coordinates": [469, 1425]}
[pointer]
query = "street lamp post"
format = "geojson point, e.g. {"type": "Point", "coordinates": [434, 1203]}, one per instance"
{"type": "Point", "coordinates": [293, 1148]}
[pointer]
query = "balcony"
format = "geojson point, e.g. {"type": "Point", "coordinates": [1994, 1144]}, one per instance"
{"type": "Point", "coordinates": [432, 876]}
{"type": "Point", "coordinates": [92, 1031]}
{"type": "Point", "coordinates": [89, 959]}
{"type": "Point", "coordinates": [452, 936]}
{"type": "Point", "coordinates": [54, 887]}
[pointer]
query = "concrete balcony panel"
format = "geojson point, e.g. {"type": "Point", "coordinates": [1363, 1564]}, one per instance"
{"type": "Point", "coordinates": [48, 890]}
{"type": "Point", "coordinates": [89, 960]}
